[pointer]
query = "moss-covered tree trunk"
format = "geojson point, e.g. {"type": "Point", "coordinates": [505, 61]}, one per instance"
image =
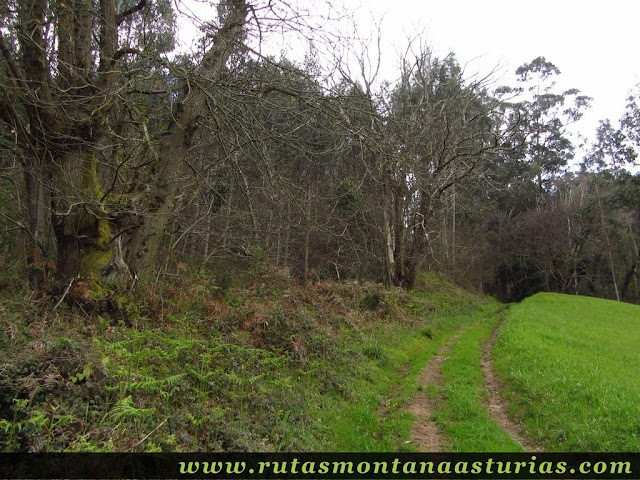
{"type": "Point", "coordinates": [64, 92]}
{"type": "Point", "coordinates": [86, 244]}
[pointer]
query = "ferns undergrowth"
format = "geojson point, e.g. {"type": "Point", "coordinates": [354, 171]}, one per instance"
{"type": "Point", "coordinates": [185, 367]}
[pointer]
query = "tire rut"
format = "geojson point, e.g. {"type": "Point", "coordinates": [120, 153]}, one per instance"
{"type": "Point", "coordinates": [426, 434]}
{"type": "Point", "coordinates": [496, 405]}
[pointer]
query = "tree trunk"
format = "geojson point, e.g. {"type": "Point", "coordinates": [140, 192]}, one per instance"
{"type": "Point", "coordinates": [608, 242]}
{"type": "Point", "coordinates": [627, 279]}
{"type": "Point", "coordinates": [453, 229]}
{"type": "Point", "coordinates": [392, 266]}
{"type": "Point", "coordinates": [86, 245]}
{"type": "Point", "coordinates": [147, 240]}
{"type": "Point", "coordinates": [307, 237]}
{"type": "Point", "coordinates": [42, 246]}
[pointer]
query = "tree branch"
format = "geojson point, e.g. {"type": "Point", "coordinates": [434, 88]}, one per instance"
{"type": "Point", "coordinates": [127, 13]}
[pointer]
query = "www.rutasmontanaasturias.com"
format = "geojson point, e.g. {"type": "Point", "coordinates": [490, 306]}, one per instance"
{"type": "Point", "coordinates": [399, 467]}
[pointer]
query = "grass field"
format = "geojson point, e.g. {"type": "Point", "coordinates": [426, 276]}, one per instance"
{"type": "Point", "coordinates": [572, 369]}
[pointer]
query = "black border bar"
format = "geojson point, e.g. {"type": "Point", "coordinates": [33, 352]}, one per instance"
{"type": "Point", "coordinates": [330, 466]}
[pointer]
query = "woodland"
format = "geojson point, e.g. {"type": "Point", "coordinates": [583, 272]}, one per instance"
{"type": "Point", "coordinates": [125, 161]}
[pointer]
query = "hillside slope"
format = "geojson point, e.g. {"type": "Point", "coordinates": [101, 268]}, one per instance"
{"type": "Point", "coordinates": [570, 365]}
{"type": "Point", "coordinates": [195, 366]}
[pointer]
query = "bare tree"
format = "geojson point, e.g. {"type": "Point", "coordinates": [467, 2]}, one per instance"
{"type": "Point", "coordinates": [424, 135]}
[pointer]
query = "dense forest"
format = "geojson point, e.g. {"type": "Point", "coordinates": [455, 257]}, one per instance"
{"type": "Point", "coordinates": [124, 160]}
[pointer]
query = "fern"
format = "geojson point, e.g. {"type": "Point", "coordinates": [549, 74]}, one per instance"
{"type": "Point", "coordinates": [151, 385]}
{"type": "Point", "coordinates": [124, 409]}
{"type": "Point", "coordinates": [202, 377]}
{"type": "Point", "coordinates": [173, 380]}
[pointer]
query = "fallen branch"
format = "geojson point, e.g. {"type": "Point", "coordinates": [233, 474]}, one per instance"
{"type": "Point", "coordinates": [66, 291]}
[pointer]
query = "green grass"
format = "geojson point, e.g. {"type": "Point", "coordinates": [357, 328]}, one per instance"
{"type": "Point", "coordinates": [463, 415]}
{"type": "Point", "coordinates": [375, 419]}
{"type": "Point", "coordinates": [572, 367]}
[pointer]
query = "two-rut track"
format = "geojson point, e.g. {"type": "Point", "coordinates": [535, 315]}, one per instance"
{"type": "Point", "coordinates": [426, 434]}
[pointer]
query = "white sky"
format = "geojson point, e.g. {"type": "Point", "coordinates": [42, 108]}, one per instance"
{"type": "Point", "coordinates": [593, 43]}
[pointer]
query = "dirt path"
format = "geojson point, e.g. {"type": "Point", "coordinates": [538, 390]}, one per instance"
{"type": "Point", "coordinates": [426, 434]}
{"type": "Point", "coordinates": [495, 403]}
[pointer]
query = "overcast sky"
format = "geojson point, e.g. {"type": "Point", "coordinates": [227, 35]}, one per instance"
{"type": "Point", "coordinates": [593, 43]}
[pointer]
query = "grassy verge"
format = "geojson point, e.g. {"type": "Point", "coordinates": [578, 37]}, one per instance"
{"type": "Point", "coordinates": [463, 414]}
{"type": "Point", "coordinates": [571, 365]}
{"type": "Point", "coordinates": [271, 366]}
{"type": "Point", "coordinates": [376, 420]}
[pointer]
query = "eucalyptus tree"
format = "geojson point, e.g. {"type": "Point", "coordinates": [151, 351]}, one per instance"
{"type": "Point", "coordinates": [616, 193]}
{"type": "Point", "coordinates": [527, 173]}
{"type": "Point", "coordinates": [544, 116]}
